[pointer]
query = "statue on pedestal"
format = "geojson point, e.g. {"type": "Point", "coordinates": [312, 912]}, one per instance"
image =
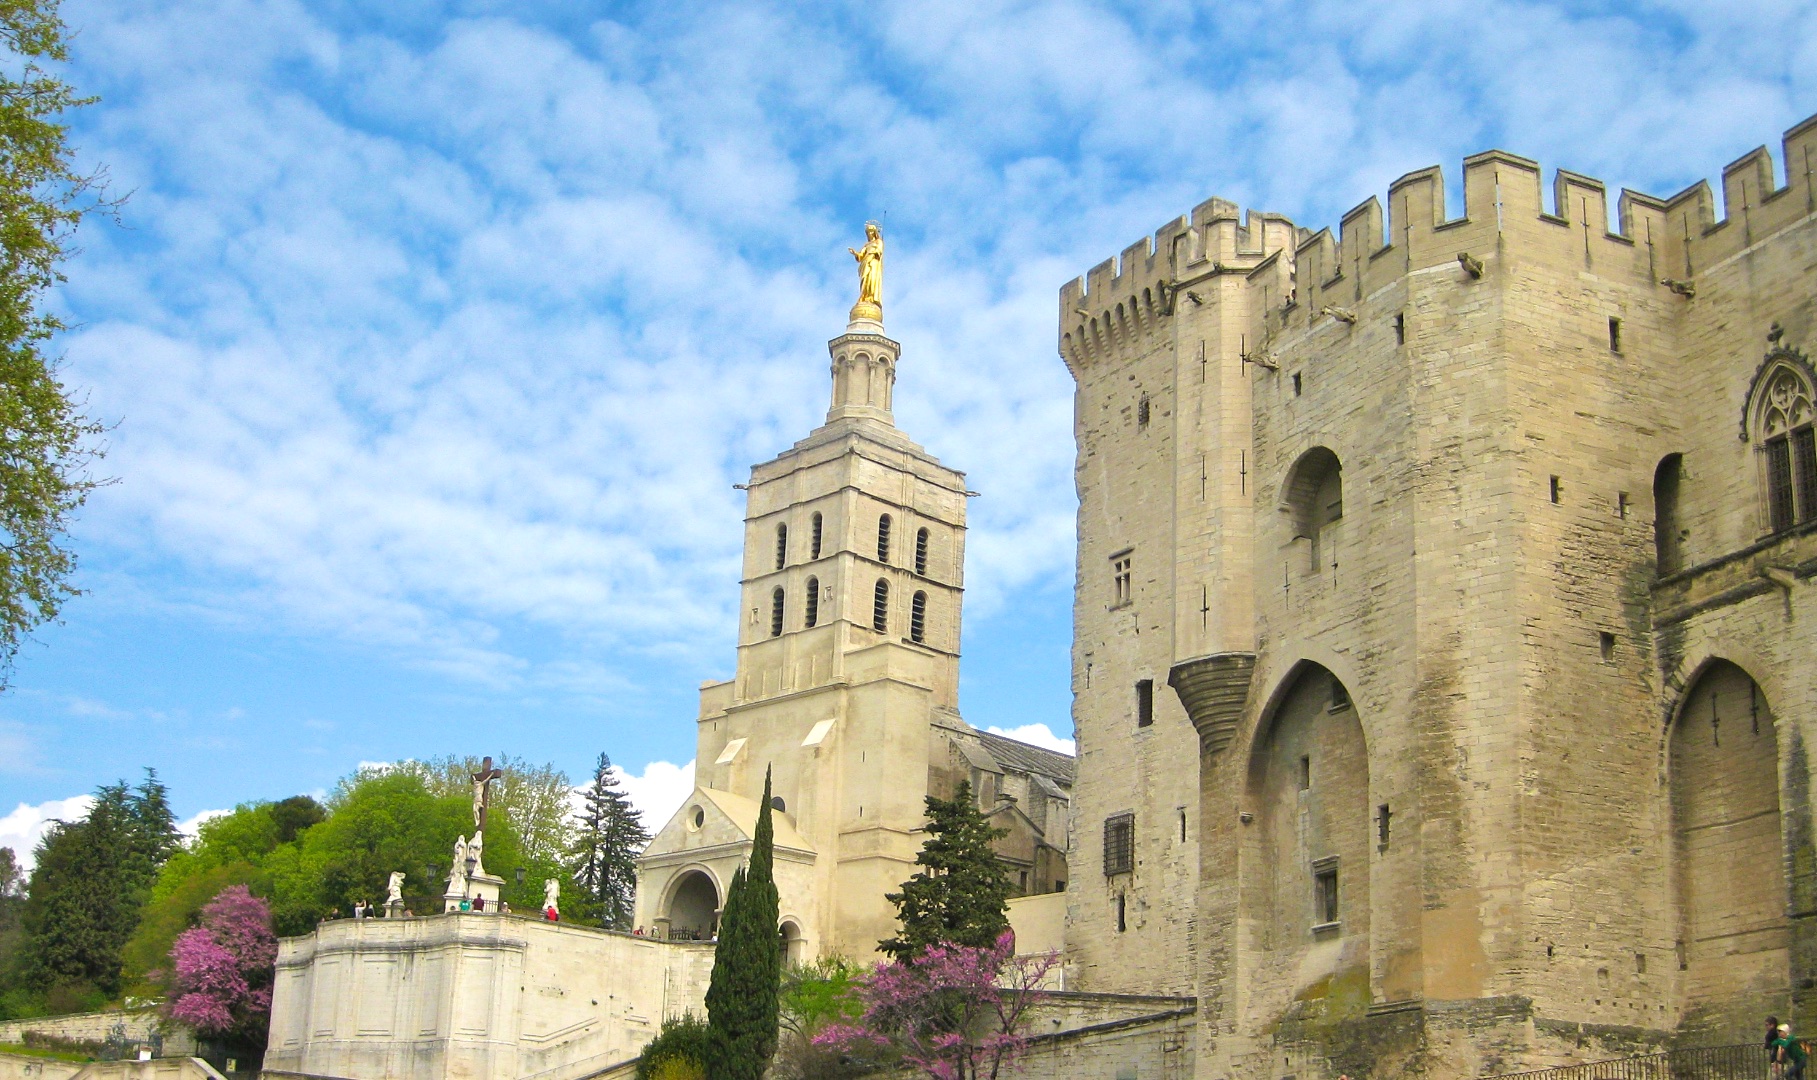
{"type": "Point", "coordinates": [870, 275]}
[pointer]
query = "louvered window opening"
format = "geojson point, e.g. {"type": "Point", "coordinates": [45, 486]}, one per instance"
{"type": "Point", "coordinates": [776, 612]}
{"type": "Point", "coordinates": [921, 552]}
{"type": "Point", "coordinates": [880, 608]}
{"type": "Point", "coordinates": [883, 539]}
{"type": "Point", "coordinates": [814, 541]}
{"type": "Point", "coordinates": [782, 546]}
{"type": "Point", "coordinates": [813, 602]}
{"type": "Point", "coordinates": [918, 618]}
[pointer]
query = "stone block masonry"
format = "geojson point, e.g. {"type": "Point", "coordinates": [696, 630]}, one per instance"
{"type": "Point", "coordinates": [1438, 625]}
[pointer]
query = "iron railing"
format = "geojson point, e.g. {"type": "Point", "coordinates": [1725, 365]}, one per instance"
{"type": "Point", "coordinates": [1745, 1062]}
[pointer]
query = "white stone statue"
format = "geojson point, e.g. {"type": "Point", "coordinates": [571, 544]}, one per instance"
{"type": "Point", "coordinates": [394, 890]}
{"type": "Point", "coordinates": [457, 877]}
{"type": "Point", "coordinates": [552, 891]}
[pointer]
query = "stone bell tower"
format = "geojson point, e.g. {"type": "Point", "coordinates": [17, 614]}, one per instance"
{"type": "Point", "coordinates": [848, 651]}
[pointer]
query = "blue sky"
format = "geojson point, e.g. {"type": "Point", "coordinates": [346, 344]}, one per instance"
{"type": "Point", "coordinates": [434, 336]}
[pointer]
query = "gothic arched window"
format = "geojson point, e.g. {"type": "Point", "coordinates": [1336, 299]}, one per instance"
{"type": "Point", "coordinates": [880, 607]}
{"type": "Point", "coordinates": [776, 612]}
{"type": "Point", "coordinates": [782, 546]}
{"type": "Point", "coordinates": [1781, 413]}
{"type": "Point", "coordinates": [813, 599]}
{"type": "Point", "coordinates": [814, 550]}
{"type": "Point", "coordinates": [921, 552]}
{"type": "Point", "coordinates": [883, 539]}
{"type": "Point", "coordinates": [918, 618]}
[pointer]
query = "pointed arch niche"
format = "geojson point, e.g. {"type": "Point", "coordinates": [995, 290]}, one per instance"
{"type": "Point", "coordinates": [1728, 855]}
{"type": "Point", "coordinates": [1306, 855]}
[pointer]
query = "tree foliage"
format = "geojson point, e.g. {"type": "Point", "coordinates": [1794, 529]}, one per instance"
{"type": "Point", "coordinates": [89, 883]}
{"type": "Point", "coordinates": [742, 1006]}
{"type": "Point", "coordinates": [221, 970]}
{"type": "Point", "coordinates": [603, 858]}
{"type": "Point", "coordinates": [679, 1052]}
{"type": "Point", "coordinates": [956, 1013]}
{"type": "Point", "coordinates": [45, 440]}
{"type": "Point", "coordinates": [961, 895]}
{"type": "Point", "coordinates": [535, 797]}
{"type": "Point", "coordinates": [815, 996]}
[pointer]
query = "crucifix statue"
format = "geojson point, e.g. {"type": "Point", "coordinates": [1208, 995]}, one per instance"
{"type": "Point", "coordinates": [482, 782]}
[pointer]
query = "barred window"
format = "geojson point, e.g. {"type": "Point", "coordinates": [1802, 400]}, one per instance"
{"type": "Point", "coordinates": [782, 546]}
{"type": "Point", "coordinates": [1119, 844]}
{"type": "Point", "coordinates": [814, 542]}
{"type": "Point", "coordinates": [883, 539]}
{"type": "Point", "coordinates": [918, 618]}
{"type": "Point", "coordinates": [776, 612]}
{"type": "Point", "coordinates": [880, 607]}
{"type": "Point", "coordinates": [921, 552]}
{"type": "Point", "coordinates": [813, 599]}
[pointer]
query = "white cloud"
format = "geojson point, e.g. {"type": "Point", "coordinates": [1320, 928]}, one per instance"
{"type": "Point", "coordinates": [1036, 735]}
{"type": "Point", "coordinates": [659, 791]}
{"type": "Point", "coordinates": [191, 827]}
{"type": "Point", "coordinates": [24, 827]}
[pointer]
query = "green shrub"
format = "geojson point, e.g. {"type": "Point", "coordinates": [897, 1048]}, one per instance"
{"type": "Point", "coordinates": [679, 1051]}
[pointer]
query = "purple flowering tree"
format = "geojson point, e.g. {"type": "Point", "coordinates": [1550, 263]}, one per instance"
{"type": "Point", "coordinates": [221, 971]}
{"type": "Point", "coordinates": [954, 1012]}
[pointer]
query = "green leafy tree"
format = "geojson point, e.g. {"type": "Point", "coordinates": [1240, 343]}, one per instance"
{"type": "Point", "coordinates": [45, 440]}
{"type": "Point", "coordinates": [91, 880]}
{"type": "Point", "coordinates": [742, 1005]}
{"type": "Point", "coordinates": [535, 797]}
{"type": "Point", "coordinates": [814, 996]}
{"type": "Point", "coordinates": [961, 895]}
{"type": "Point", "coordinates": [12, 901]}
{"type": "Point", "coordinates": [680, 1051]}
{"type": "Point", "coordinates": [603, 858]}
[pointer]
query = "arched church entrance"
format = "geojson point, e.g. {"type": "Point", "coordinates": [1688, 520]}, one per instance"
{"type": "Point", "coordinates": [1734, 937]}
{"type": "Point", "coordinates": [1306, 852]}
{"type": "Point", "coordinates": [793, 944]}
{"type": "Point", "coordinates": [694, 907]}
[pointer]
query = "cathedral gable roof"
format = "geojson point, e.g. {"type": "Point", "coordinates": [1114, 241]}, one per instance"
{"type": "Point", "coordinates": [1035, 760]}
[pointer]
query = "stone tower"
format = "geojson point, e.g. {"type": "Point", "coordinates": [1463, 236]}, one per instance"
{"type": "Point", "coordinates": [1443, 623]}
{"type": "Point", "coordinates": [848, 654]}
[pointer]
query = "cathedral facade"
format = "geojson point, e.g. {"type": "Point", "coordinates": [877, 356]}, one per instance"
{"type": "Point", "coordinates": [1444, 649]}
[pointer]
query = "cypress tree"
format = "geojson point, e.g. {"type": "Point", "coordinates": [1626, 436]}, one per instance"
{"type": "Point", "coordinates": [742, 999]}
{"type": "Point", "coordinates": [961, 896]}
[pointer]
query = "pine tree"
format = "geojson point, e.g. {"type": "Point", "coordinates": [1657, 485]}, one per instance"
{"type": "Point", "coordinates": [743, 997]}
{"type": "Point", "coordinates": [604, 855]}
{"type": "Point", "coordinates": [961, 896]}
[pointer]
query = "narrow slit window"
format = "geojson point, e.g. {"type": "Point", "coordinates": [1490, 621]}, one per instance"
{"type": "Point", "coordinates": [1296, 384]}
{"type": "Point", "coordinates": [1122, 913]}
{"type": "Point", "coordinates": [880, 607]}
{"type": "Point", "coordinates": [814, 540]}
{"type": "Point", "coordinates": [921, 552]}
{"type": "Point", "coordinates": [1400, 328]}
{"type": "Point", "coordinates": [1182, 826]}
{"type": "Point", "coordinates": [1557, 489]}
{"type": "Point", "coordinates": [1142, 411]}
{"type": "Point", "coordinates": [1614, 334]}
{"type": "Point", "coordinates": [918, 618]}
{"type": "Point", "coordinates": [776, 612]}
{"type": "Point", "coordinates": [1305, 774]}
{"type": "Point", "coordinates": [883, 539]}
{"type": "Point", "coordinates": [1607, 642]}
{"type": "Point", "coordinates": [1145, 702]}
{"type": "Point", "coordinates": [813, 602]}
{"type": "Point", "coordinates": [782, 546]}
{"type": "Point", "coordinates": [1382, 818]}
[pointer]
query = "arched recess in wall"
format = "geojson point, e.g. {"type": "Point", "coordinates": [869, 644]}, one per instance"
{"type": "Point", "coordinates": [693, 907]}
{"type": "Point", "coordinates": [1733, 947]}
{"type": "Point", "coordinates": [1668, 531]}
{"type": "Point", "coordinates": [794, 945]}
{"type": "Point", "coordinates": [1312, 496]}
{"type": "Point", "coordinates": [1306, 853]}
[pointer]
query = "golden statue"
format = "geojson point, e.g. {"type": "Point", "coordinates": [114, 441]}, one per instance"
{"type": "Point", "coordinates": [870, 274]}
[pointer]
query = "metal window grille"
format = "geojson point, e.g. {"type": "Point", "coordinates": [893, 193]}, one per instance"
{"type": "Point", "coordinates": [1119, 844]}
{"type": "Point", "coordinates": [883, 539]}
{"type": "Point", "coordinates": [776, 612]}
{"type": "Point", "coordinates": [1779, 483]}
{"type": "Point", "coordinates": [918, 618]}
{"type": "Point", "coordinates": [813, 599]}
{"type": "Point", "coordinates": [921, 552]}
{"type": "Point", "coordinates": [1804, 473]}
{"type": "Point", "coordinates": [880, 607]}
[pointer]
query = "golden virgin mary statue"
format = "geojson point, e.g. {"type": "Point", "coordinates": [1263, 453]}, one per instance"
{"type": "Point", "coordinates": [870, 274]}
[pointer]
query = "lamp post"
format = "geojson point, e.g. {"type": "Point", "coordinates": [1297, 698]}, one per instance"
{"type": "Point", "coordinates": [467, 886]}
{"type": "Point", "coordinates": [520, 875]}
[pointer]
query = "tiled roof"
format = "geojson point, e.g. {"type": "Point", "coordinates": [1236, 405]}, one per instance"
{"type": "Point", "coordinates": [1023, 757]}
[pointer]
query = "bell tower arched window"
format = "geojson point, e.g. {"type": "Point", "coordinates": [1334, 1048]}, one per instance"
{"type": "Point", "coordinates": [921, 552]}
{"type": "Point", "coordinates": [782, 546]}
{"type": "Point", "coordinates": [776, 612]}
{"type": "Point", "coordinates": [814, 540]}
{"type": "Point", "coordinates": [918, 618]}
{"type": "Point", "coordinates": [883, 539]}
{"type": "Point", "coordinates": [880, 607]}
{"type": "Point", "coordinates": [813, 599]}
{"type": "Point", "coordinates": [1779, 421]}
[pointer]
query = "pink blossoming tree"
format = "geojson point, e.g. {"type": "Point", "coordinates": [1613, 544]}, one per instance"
{"type": "Point", "coordinates": [221, 971]}
{"type": "Point", "coordinates": [953, 1012]}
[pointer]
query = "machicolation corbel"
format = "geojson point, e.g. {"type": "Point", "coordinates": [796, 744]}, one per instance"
{"type": "Point", "coordinates": [1686, 289]}
{"type": "Point", "coordinates": [1471, 264]}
